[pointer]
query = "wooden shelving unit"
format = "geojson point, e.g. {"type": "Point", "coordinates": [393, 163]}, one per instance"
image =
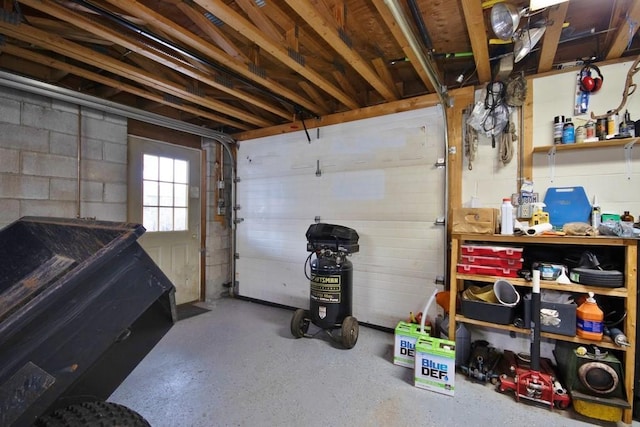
{"type": "Point", "coordinates": [628, 292]}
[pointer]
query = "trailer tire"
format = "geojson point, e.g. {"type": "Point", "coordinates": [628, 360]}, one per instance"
{"type": "Point", "coordinates": [93, 414]}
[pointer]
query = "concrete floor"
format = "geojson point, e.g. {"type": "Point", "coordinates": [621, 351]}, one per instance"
{"type": "Point", "coordinates": [238, 365]}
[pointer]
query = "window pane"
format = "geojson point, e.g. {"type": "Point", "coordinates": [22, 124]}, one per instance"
{"type": "Point", "coordinates": [150, 218]}
{"type": "Point", "coordinates": [150, 167]}
{"type": "Point", "coordinates": [180, 195]}
{"type": "Point", "coordinates": [180, 219]}
{"type": "Point", "coordinates": [166, 194]}
{"type": "Point", "coordinates": [166, 169]}
{"type": "Point", "coordinates": [166, 219]}
{"type": "Point", "coordinates": [181, 172]}
{"type": "Point", "coordinates": [150, 193]}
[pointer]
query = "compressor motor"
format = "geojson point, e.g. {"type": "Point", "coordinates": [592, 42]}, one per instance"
{"type": "Point", "coordinates": [331, 283]}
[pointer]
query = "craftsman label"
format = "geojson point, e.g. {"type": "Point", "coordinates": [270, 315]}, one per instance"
{"type": "Point", "coordinates": [326, 289]}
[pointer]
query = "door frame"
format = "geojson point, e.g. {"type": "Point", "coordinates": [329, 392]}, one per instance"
{"type": "Point", "coordinates": [202, 212]}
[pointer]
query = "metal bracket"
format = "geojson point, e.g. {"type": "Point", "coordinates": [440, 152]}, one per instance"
{"type": "Point", "coordinates": [440, 221]}
{"type": "Point", "coordinates": [452, 150]}
{"type": "Point", "coordinates": [627, 156]}
{"type": "Point", "coordinates": [237, 179]}
{"type": "Point", "coordinates": [440, 163]}
{"type": "Point", "coordinates": [238, 220]}
{"type": "Point", "coordinates": [237, 207]}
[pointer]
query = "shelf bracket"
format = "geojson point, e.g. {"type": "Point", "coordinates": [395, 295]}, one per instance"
{"type": "Point", "coordinates": [551, 158]}
{"type": "Point", "coordinates": [627, 156]}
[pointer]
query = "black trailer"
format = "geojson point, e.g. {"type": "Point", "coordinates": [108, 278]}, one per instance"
{"type": "Point", "coordinates": [81, 304]}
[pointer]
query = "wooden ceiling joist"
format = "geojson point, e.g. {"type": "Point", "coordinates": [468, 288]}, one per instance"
{"type": "Point", "coordinates": [329, 32]}
{"type": "Point", "coordinates": [624, 33]}
{"type": "Point", "coordinates": [549, 44]}
{"type": "Point", "coordinates": [115, 84]}
{"type": "Point", "coordinates": [240, 24]}
{"type": "Point", "coordinates": [88, 56]}
{"type": "Point", "coordinates": [135, 45]}
{"type": "Point", "coordinates": [474, 17]}
{"type": "Point", "coordinates": [158, 21]}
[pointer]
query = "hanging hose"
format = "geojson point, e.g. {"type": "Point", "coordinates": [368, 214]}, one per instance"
{"type": "Point", "coordinates": [507, 139]}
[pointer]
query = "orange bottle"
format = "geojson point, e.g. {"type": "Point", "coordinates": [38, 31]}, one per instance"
{"type": "Point", "coordinates": [589, 320]}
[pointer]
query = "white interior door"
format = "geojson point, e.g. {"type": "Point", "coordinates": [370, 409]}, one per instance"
{"type": "Point", "coordinates": [164, 196]}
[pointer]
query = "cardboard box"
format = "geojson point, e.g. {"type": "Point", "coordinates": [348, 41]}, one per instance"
{"type": "Point", "coordinates": [474, 220]}
{"type": "Point", "coordinates": [406, 335]}
{"type": "Point", "coordinates": [435, 367]}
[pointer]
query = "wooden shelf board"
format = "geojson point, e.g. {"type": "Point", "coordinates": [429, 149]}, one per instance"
{"type": "Point", "coordinates": [545, 240]}
{"type": "Point", "coordinates": [545, 284]}
{"type": "Point", "coordinates": [584, 145]}
{"type": "Point", "coordinates": [605, 343]}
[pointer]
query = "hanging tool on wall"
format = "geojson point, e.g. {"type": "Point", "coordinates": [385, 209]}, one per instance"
{"type": "Point", "coordinates": [470, 138]}
{"type": "Point", "coordinates": [629, 89]}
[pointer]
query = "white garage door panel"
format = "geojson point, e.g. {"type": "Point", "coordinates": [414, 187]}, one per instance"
{"type": "Point", "coordinates": [377, 177]}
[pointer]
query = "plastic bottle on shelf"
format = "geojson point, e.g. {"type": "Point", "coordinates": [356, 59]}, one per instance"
{"type": "Point", "coordinates": [506, 213]}
{"type": "Point", "coordinates": [626, 217]}
{"type": "Point", "coordinates": [627, 126]}
{"type": "Point", "coordinates": [589, 320]}
{"type": "Point", "coordinates": [596, 213]}
{"type": "Point", "coordinates": [568, 132]}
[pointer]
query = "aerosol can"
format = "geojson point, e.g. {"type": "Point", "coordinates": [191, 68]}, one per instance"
{"type": "Point", "coordinates": [539, 216]}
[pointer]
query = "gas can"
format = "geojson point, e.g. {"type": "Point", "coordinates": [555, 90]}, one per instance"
{"type": "Point", "coordinates": [589, 320]}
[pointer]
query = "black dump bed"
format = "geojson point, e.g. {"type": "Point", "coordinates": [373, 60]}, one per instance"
{"type": "Point", "coordinates": [81, 303]}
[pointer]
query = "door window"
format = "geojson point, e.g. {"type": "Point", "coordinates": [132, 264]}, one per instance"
{"type": "Point", "coordinates": [165, 193]}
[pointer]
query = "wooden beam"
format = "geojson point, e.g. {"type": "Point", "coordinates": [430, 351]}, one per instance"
{"type": "Point", "coordinates": [260, 20]}
{"type": "Point", "coordinates": [624, 33]}
{"type": "Point", "coordinates": [314, 94]}
{"type": "Point", "coordinates": [409, 104]}
{"type": "Point", "coordinates": [116, 84]}
{"type": "Point", "coordinates": [170, 27]}
{"type": "Point", "coordinates": [83, 22]}
{"type": "Point", "coordinates": [236, 21]}
{"type": "Point", "coordinates": [462, 98]}
{"type": "Point", "coordinates": [62, 46]}
{"type": "Point", "coordinates": [382, 68]}
{"type": "Point", "coordinates": [398, 35]}
{"type": "Point", "coordinates": [474, 17]}
{"type": "Point", "coordinates": [344, 83]}
{"type": "Point", "coordinates": [329, 32]}
{"type": "Point", "coordinates": [556, 17]}
{"type": "Point", "coordinates": [207, 27]}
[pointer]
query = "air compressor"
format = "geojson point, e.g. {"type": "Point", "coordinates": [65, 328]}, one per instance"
{"type": "Point", "coordinates": [330, 276]}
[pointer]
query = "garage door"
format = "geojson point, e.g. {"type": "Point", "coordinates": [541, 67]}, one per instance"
{"type": "Point", "coordinates": [377, 176]}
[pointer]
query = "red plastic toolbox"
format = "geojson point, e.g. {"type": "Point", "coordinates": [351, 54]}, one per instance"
{"type": "Point", "coordinates": [490, 261]}
{"type": "Point", "coordinates": [492, 251]}
{"type": "Point", "coordinates": [487, 271]}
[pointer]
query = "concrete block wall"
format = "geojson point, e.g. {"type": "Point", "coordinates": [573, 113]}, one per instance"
{"type": "Point", "coordinates": [218, 239]}
{"type": "Point", "coordinates": [38, 159]}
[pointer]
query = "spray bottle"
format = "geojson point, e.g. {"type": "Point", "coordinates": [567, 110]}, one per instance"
{"type": "Point", "coordinates": [539, 216]}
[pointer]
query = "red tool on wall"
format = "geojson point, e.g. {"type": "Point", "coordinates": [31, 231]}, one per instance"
{"type": "Point", "coordinates": [534, 379]}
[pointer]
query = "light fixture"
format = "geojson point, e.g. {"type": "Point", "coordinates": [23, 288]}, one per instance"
{"type": "Point", "coordinates": [541, 4]}
{"type": "Point", "coordinates": [526, 40]}
{"type": "Point", "coordinates": [505, 19]}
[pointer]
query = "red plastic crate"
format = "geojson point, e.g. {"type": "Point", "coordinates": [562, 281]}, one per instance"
{"type": "Point", "coordinates": [487, 270]}
{"type": "Point", "coordinates": [508, 252]}
{"type": "Point", "coordinates": [491, 261]}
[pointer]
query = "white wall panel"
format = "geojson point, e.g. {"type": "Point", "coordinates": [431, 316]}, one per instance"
{"type": "Point", "coordinates": [378, 177]}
